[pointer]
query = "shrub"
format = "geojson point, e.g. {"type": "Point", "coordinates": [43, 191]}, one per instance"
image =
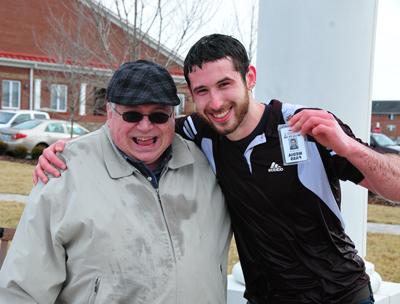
{"type": "Point", "coordinates": [37, 151]}
{"type": "Point", "coordinates": [20, 151]}
{"type": "Point", "coordinates": [3, 147]}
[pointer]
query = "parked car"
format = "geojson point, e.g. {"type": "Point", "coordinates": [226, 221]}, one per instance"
{"type": "Point", "coordinates": [9, 118]}
{"type": "Point", "coordinates": [39, 133]}
{"type": "Point", "coordinates": [384, 143]}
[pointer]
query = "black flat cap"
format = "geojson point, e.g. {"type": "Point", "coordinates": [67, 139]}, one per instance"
{"type": "Point", "coordinates": [142, 82]}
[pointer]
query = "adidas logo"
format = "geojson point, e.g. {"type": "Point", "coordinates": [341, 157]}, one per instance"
{"type": "Point", "coordinates": [275, 168]}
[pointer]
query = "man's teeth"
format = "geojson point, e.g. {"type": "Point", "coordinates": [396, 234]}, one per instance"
{"type": "Point", "coordinates": [220, 115]}
{"type": "Point", "coordinates": [139, 140]}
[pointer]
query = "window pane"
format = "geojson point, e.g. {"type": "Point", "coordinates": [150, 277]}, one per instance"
{"type": "Point", "coordinates": [30, 124]}
{"type": "Point", "coordinates": [55, 128]}
{"type": "Point", "coordinates": [63, 98]}
{"type": "Point", "coordinates": [22, 117]}
{"type": "Point", "coordinates": [6, 116]}
{"type": "Point", "coordinates": [79, 131]}
{"type": "Point", "coordinates": [6, 93]}
{"type": "Point", "coordinates": [180, 109]}
{"type": "Point", "coordinates": [39, 116]}
{"type": "Point", "coordinates": [53, 97]}
{"type": "Point", "coordinates": [15, 94]}
{"type": "Point", "coordinates": [58, 97]}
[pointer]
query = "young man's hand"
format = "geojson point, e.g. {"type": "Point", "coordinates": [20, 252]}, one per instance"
{"type": "Point", "coordinates": [49, 162]}
{"type": "Point", "coordinates": [323, 126]}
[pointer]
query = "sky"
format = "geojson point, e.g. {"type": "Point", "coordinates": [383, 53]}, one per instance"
{"type": "Point", "coordinates": [386, 77]}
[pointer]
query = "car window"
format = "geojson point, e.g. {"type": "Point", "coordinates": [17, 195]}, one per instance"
{"type": "Point", "coordinates": [21, 118]}
{"type": "Point", "coordinates": [54, 127]}
{"type": "Point", "coordinates": [40, 116]}
{"type": "Point", "coordinates": [29, 124]}
{"type": "Point", "coordinates": [383, 140]}
{"type": "Point", "coordinates": [77, 130]}
{"type": "Point", "coordinates": [5, 117]}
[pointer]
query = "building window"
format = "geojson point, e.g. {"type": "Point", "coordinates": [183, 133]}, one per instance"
{"type": "Point", "coordinates": [58, 97]}
{"type": "Point", "coordinates": [11, 94]}
{"type": "Point", "coordinates": [180, 109]}
{"type": "Point", "coordinates": [391, 128]}
{"type": "Point", "coordinates": [99, 103]}
{"type": "Point", "coordinates": [392, 116]}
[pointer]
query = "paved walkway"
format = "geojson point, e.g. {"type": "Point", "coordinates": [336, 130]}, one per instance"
{"type": "Point", "coordinates": [383, 228]}
{"type": "Point", "coordinates": [13, 197]}
{"type": "Point", "coordinates": [371, 227]}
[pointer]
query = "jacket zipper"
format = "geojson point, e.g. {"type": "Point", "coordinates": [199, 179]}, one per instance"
{"type": "Point", "coordinates": [93, 296]}
{"type": "Point", "coordinates": [166, 224]}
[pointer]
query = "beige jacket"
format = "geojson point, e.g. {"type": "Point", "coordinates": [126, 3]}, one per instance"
{"type": "Point", "coordinates": [102, 234]}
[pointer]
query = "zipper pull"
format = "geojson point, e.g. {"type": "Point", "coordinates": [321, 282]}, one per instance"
{"type": "Point", "coordinates": [96, 285]}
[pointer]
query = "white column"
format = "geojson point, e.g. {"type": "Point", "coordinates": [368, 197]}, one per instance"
{"type": "Point", "coordinates": [31, 89]}
{"type": "Point", "coordinates": [82, 99]}
{"type": "Point", "coordinates": [37, 92]}
{"type": "Point", "coordinates": [320, 53]}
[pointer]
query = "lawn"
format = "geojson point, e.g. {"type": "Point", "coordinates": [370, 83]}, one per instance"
{"type": "Point", "coordinates": [382, 249]}
{"type": "Point", "coordinates": [383, 214]}
{"type": "Point", "coordinates": [16, 178]}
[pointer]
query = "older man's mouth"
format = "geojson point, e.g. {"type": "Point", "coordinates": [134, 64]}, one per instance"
{"type": "Point", "coordinates": [145, 141]}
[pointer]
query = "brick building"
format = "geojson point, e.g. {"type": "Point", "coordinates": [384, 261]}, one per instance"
{"type": "Point", "coordinates": [57, 56]}
{"type": "Point", "coordinates": [385, 118]}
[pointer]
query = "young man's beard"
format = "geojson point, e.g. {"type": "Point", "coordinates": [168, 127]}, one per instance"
{"type": "Point", "coordinates": [240, 111]}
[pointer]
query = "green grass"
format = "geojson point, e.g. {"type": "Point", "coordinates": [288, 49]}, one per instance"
{"type": "Point", "coordinates": [10, 213]}
{"type": "Point", "coordinates": [383, 214]}
{"type": "Point", "coordinates": [383, 250]}
{"type": "Point", "coordinates": [16, 178]}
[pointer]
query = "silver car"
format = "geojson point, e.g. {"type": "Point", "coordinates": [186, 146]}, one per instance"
{"type": "Point", "coordinates": [39, 133]}
{"type": "Point", "coordinates": [10, 118]}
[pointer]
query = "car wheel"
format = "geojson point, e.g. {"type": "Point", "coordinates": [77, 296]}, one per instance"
{"type": "Point", "coordinates": [37, 150]}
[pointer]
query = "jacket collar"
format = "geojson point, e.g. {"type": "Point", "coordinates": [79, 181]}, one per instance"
{"type": "Point", "coordinates": [118, 167]}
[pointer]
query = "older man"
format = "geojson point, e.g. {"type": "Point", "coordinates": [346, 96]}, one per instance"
{"type": "Point", "coordinates": [137, 214]}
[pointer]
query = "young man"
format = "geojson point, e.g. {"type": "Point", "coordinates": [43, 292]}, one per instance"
{"type": "Point", "coordinates": [117, 226]}
{"type": "Point", "coordinates": [287, 222]}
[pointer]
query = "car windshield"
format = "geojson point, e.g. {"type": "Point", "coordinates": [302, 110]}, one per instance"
{"type": "Point", "coordinates": [77, 130]}
{"type": "Point", "coordinates": [29, 124]}
{"type": "Point", "coordinates": [383, 140]}
{"type": "Point", "coordinates": [6, 116]}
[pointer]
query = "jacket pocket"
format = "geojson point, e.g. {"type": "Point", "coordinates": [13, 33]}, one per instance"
{"type": "Point", "coordinates": [94, 290]}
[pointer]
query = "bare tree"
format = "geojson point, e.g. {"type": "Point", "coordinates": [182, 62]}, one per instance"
{"type": "Point", "coordinates": [88, 40]}
{"type": "Point", "coordinates": [245, 30]}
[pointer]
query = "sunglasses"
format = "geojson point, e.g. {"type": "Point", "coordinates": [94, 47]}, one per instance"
{"type": "Point", "coordinates": [155, 117]}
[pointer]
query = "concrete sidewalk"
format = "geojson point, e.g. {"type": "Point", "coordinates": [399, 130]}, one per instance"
{"type": "Point", "coordinates": [383, 228]}
{"type": "Point", "coordinates": [13, 197]}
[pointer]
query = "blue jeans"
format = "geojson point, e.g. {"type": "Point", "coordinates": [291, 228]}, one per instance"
{"type": "Point", "coordinates": [370, 300]}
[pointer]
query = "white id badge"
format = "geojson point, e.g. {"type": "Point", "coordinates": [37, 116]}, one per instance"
{"type": "Point", "coordinates": [293, 146]}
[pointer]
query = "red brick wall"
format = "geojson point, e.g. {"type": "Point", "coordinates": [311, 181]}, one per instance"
{"type": "Point", "coordinates": [25, 28]}
{"type": "Point", "coordinates": [384, 121]}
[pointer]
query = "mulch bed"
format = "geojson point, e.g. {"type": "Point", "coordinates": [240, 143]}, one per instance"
{"type": "Point", "coordinates": [378, 200]}
{"type": "Point", "coordinates": [18, 160]}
